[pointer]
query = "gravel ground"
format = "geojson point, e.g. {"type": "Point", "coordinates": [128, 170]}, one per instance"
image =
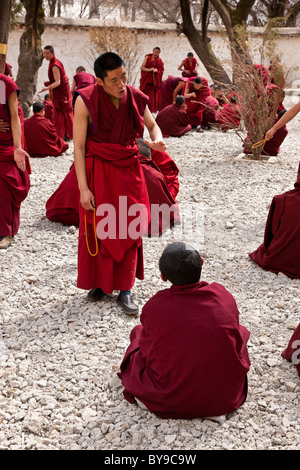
{"type": "Point", "coordinates": [59, 354]}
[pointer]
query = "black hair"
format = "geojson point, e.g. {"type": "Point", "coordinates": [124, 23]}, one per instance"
{"type": "Point", "coordinates": [49, 48]}
{"type": "Point", "coordinates": [144, 148]}
{"type": "Point", "coordinates": [281, 113]}
{"type": "Point", "coordinates": [80, 68]}
{"type": "Point", "coordinates": [107, 62]}
{"type": "Point", "coordinates": [198, 80]}
{"type": "Point", "coordinates": [190, 54]}
{"type": "Point", "coordinates": [37, 107]}
{"type": "Point", "coordinates": [158, 48]}
{"type": "Point", "coordinates": [180, 264]}
{"type": "Point", "coordinates": [180, 99]}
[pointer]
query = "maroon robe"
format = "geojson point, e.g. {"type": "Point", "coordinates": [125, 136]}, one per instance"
{"type": "Point", "coordinates": [169, 169]}
{"type": "Point", "coordinates": [173, 121]}
{"type": "Point", "coordinates": [41, 137]}
{"type": "Point", "coordinates": [150, 81]}
{"type": "Point", "coordinates": [63, 205]}
{"type": "Point", "coordinates": [48, 110]}
{"type": "Point", "coordinates": [279, 251]}
{"type": "Point", "coordinates": [8, 67]}
{"type": "Point", "coordinates": [83, 79]}
{"type": "Point", "coordinates": [62, 101]}
{"type": "Point", "coordinates": [189, 67]}
{"type": "Point", "coordinates": [14, 183]}
{"type": "Point", "coordinates": [272, 146]}
{"type": "Point", "coordinates": [188, 358]}
{"type": "Point", "coordinates": [209, 115]}
{"type": "Point", "coordinates": [229, 117]}
{"type": "Point", "coordinates": [113, 171]}
{"type": "Point", "coordinates": [194, 104]}
{"type": "Point", "coordinates": [166, 90]}
{"type": "Point", "coordinates": [292, 352]}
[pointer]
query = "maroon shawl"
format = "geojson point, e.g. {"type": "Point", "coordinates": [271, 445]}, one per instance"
{"type": "Point", "coordinates": [41, 137]}
{"type": "Point", "coordinates": [173, 121]}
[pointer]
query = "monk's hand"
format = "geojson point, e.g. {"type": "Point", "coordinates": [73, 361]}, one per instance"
{"type": "Point", "coordinates": [156, 145]}
{"type": "Point", "coordinates": [87, 199]}
{"type": "Point", "coordinates": [20, 158]}
{"type": "Point", "coordinates": [4, 126]}
{"type": "Point", "coordinates": [269, 134]}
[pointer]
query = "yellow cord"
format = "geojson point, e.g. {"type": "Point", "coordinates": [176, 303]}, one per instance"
{"type": "Point", "coordinates": [258, 144]}
{"type": "Point", "coordinates": [96, 239]}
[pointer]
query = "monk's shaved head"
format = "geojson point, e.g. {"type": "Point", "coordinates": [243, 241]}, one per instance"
{"type": "Point", "coordinates": [106, 63]}
{"type": "Point", "coordinates": [181, 264]}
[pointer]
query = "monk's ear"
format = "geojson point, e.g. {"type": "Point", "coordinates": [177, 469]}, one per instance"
{"type": "Point", "coordinates": [163, 278]}
{"type": "Point", "coordinates": [99, 81]}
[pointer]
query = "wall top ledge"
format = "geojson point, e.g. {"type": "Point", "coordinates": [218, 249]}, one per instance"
{"type": "Point", "coordinates": [95, 23]}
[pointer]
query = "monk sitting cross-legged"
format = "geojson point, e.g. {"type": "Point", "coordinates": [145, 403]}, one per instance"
{"type": "Point", "coordinates": [188, 358]}
{"type": "Point", "coordinates": [41, 137]}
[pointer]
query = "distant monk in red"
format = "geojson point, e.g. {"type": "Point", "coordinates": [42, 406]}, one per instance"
{"type": "Point", "coordinates": [229, 116]}
{"type": "Point", "coordinates": [195, 91]}
{"type": "Point", "coordinates": [279, 251]}
{"type": "Point", "coordinates": [48, 107]}
{"type": "Point", "coordinates": [168, 91]}
{"type": "Point", "coordinates": [188, 66]}
{"type": "Point", "coordinates": [188, 358]}
{"type": "Point", "coordinates": [63, 205]}
{"type": "Point", "coordinates": [152, 70]}
{"type": "Point", "coordinates": [272, 146]}
{"type": "Point", "coordinates": [108, 117]}
{"type": "Point", "coordinates": [41, 136]}
{"type": "Point", "coordinates": [82, 79]}
{"type": "Point", "coordinates": [60, 93]}
{"type": "Point", "coordinates": [292, 352]}
{"type": "Point", "coordinates": [14, 161]}
{"type": "Point", "coordinates": [210, 112]}
{"type": "Point", "coordinates": [173, 120]}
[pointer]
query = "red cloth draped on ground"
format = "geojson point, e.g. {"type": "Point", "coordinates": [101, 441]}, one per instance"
{"type": "Point", "coordinates": [14, 183]}
{"type": "Point", "coordinates": [167, 215]}
{"type": "Point", "coordinates": [192, 365]}
{"type": "Point", "coordinates": [62, 101]}
{"type": "Point", "coordinates": [150, 81]}
{"type": "Point", "coordinates": [113, 171]}
{"type": "Point", "coordinates": [195, 109]}
{"type": "Point", "coordinates": [229, 116]}
{"type": "Point", "coordinates": [292, 352]}
{"type": "Point", "coordinates": [279, 251]}
{"type": "Point", "coordinates": [166, 90]}
{"type": "Point", "coordinates": [63, 205]}
{"type": "Point", "coordinates": [41, 137]}
{"type": "Point", "coordinates": [48, 110]}
{"type": "Point", "coordinates": [209, 115]}
{"type": "Point", "coordinates": [173, 121]}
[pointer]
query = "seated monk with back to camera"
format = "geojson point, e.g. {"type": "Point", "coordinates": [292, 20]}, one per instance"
{"type": "Point", "coordinates": [41, 136]}
{"type": "Point", "coordinates": [188, 358]}
{"type": "Point", "coordinates": [173, 120]}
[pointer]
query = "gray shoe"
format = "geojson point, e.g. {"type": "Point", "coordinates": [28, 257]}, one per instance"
{"type": "Point", "coordinates": [95, 295]}
{"type": "Point", "coordinates": [127, 304]}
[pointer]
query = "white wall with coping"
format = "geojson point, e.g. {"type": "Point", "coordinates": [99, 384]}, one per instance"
{"type": "Point", "coordinates": [70, 39]}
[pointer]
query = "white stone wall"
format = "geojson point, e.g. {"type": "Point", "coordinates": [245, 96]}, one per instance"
{"type": "Point", "coordinates": [70, 39]}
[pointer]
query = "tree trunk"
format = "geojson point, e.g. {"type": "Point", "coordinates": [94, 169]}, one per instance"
{"type": "Point", "coordinates": [5, 9]}
{"type": "Point", "coordinates": [201, 45]}
{"type": "Point", "coordinates": [31, 54]}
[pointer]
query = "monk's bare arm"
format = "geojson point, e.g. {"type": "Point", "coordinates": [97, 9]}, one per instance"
{"type": "Point", "coordinates": [177, 90]}
{"type": "Point", "coordinates": [80, 126]}
{"type": "Point", "coordinates": [143, 68]}
{"type": "Point", "coordinates": [154, 131]}
{"type": "Point", "coordinates": [56, 83]}
{"type": "Point", "coordinates": [19, 153]}
{"type": "Point", "coordinates": [287, 117]}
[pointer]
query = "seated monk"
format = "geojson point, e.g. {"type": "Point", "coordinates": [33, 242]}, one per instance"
{"type": "Point", "coordinates": [48, 107]}
{"type": "Point", "coordinates": [62, 205]}
{"type": "Point", "coordinates": [272, 146]}
{"type": "Point", "coordinates": [41, 136]}
{"type": "Point", "coordinates": [229, 115]}
{"type": "Point", "coordinates": [279, 251]}
{"type": "Point", "coordinates": [173, 119]}
{"type": "Point", "coordinates": [188, 358]}
{"type": "Point", "coordinates": [292, 352]}
{"type": "Point", "coordinates": [195, 90]}
{"type": "Point", "coordinates": [188, 66]}
{"type": "Point", "coordinates": [210, 112]}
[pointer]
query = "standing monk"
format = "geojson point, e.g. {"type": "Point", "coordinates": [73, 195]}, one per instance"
{"type": "Point", "coordinates": [152, 70]}
{"type": "Point", "coordinates": [195, 91]}
{"type": "Point", "coordinates": [59, 90]}
{"type": "Point", "coordinates": [14, 163]}
{"type": "Point", "coordinates": [108, 116]}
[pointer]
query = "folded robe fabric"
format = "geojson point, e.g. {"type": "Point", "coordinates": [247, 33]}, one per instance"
{"type": "Point", "coordinates": [173, 121]}
{"type": "Point", "coordinates": [188, 358]}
